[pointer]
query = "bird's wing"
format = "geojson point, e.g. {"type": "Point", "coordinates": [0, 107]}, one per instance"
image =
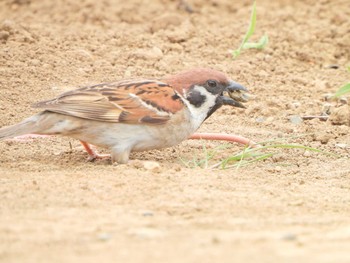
{"type": "Point", "coordinates": [133, 101]}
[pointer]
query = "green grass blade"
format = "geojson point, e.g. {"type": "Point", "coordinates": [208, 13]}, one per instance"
{"type": "Point", "coordinates": [251, 27]}
{"type": "Point", "coordinates": [235, 53]}
{"type": "Point", "coordinates": [184, 162]}
{"type": "Point", "coordinates": [250, 155]}
{"type": "Point", "coordinates": [245, 154]}
{"type": "Point", "coordinates": [343, 90]}
{"type": "Point", "coordinates": [260, 158]}
{"type": "Point", "coordinates": [264, 40]}
{"type": "Point", "coordinates": [297, 146]}
{"type": "Point", "coordinates": [207, 156]}
{"type": "Point", "coordinates": [241, 160]}
{"type": "Point", "coordinates": [249, 33]}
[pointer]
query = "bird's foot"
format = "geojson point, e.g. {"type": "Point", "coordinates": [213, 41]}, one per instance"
{"type": "Point", "coordinates": [93, 155]}
{"type": "Point", "coordinates": [97, 156]}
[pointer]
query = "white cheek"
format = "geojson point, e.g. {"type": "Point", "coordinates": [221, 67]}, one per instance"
{"type": "Point", "coordinates": [199, 114]}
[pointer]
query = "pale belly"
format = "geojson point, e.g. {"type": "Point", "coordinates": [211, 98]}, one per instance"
{"type": "Point", "coordinates": [135, 137]}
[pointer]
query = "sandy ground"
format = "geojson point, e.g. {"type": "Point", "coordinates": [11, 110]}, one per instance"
{"type": "Point", "coordinates": [56, 207]}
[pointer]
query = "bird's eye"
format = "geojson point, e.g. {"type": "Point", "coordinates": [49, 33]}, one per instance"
{"type": "Point", "coordinates": [212, 83]}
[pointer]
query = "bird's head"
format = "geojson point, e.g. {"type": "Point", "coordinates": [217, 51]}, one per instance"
{"type": "Point", "coordinates": [206, 90]}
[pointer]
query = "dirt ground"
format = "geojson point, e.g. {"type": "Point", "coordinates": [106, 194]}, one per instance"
{"type": "Point", "coordinates": [57, 207]}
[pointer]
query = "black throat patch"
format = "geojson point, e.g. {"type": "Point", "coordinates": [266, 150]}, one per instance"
{"type": "Point", "coordinates": [196, 98]}
{"type": "Point", "coordinates": [218, 104]}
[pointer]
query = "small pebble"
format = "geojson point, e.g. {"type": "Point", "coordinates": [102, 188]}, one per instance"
{"type": "Point", "coordinates": [147, 213]}
{"type": "Point", "coordinates": [343, 100]}
{"type": "Point", "coordinates": [128, 73]}
{"type": "Point", "coordinates": [322, 85]}
{"type": "Point", "coordinates": [323, 137]}
{"type": "Point", "coordinates": [177, 167]}
{"type": "Point", "coordinates": [307, 154]}
{"type": "Point", "coordinates": [178, 36]}
{"type": "Point", "coordinates": [7, 25]}
{"type": "Point", "coordinates": [260, 119]}
{"type": "Point", "coordinates": [340, 116]}
{"type": "Point", "coordinates": [267, 58]}
{"type": "Point", "coordinates": [104, 236]}
{"type": "Point", "coordinates": [296, 104]}
{"type": "Point", "coordinates": [146, 232]}
{"type": "Point", "coordinates": [289, 237]}
{"type": "Point", "coordinates": [341, 145]}
{"type": "Point", "coordinates": [296, 203]}
{"type": "Point", "coordinates": [327, 108]}
{"type": "Point", "coordinates": [215, 240]}
{"type": "Point", "coordinates": [278, 158]}
{"type": "Point", "coordinates": [4, 35]}
{"type": "Point", "coordinates": [151, 166]}
{"type": "Point", "coordinates": [327, 96]}
{"type": "Point", "coordinates": [270, 119]}
{"type": "Point", "coordinates": [332, 66]}
{"type": "Point", "coordinates": [295, 119]}
{"type": "Point", "coordinates": [137, 164]}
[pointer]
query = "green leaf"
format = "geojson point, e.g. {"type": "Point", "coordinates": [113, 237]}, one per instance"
{"type": "Point", "coordinates": [264, 40]}
{"type": "Point", "coordinates": [343, 90]}
{"type": "Point", "coordinates": [244, 45]}
{"type": "Point", "coordinates": [249, 33]}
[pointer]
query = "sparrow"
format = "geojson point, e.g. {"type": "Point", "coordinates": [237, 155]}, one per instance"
{"type": "Point", "coordinates": [134, 114]}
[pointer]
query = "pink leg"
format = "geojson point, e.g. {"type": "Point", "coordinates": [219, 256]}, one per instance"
{"type": "Point", "coordinates": [223, 137]}
{"type": "Point", "coordinates": [92, 154]}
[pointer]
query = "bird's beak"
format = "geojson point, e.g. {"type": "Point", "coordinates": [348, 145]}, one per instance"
{"type": "Point", "coordinates": [237, 94]}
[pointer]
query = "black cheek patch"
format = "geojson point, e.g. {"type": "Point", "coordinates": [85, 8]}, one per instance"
{"type": "Point", "coordinates": [196, 98]}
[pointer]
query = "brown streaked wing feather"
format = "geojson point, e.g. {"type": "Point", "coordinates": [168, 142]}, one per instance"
{"type": "Point", "coordinates": [135, 101]}
{"type": "Point", "coordinates": [83, 103]}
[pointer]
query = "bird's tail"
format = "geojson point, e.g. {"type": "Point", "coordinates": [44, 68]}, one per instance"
{"type": "Point", "coordinates": [27, 126]}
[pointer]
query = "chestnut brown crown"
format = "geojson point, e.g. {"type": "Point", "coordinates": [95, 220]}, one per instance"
{"type": "Point", "coordinates": [198, 76]}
